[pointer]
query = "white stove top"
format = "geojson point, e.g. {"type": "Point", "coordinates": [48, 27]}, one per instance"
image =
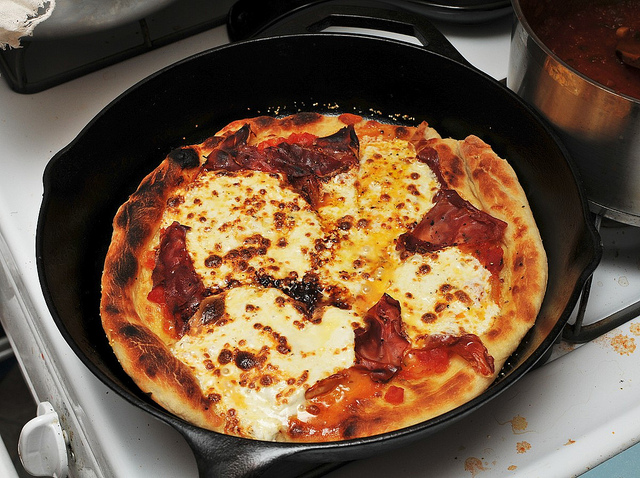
{"type": "Point", "coordinates": [559, 420]}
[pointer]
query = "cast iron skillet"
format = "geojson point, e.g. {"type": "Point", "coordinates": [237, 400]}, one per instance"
{"type": "Point", "coordinates": [86, 182]}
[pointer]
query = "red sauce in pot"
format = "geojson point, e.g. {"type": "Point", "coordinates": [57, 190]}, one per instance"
{"type": "Point", "coordinates": [584, 37]}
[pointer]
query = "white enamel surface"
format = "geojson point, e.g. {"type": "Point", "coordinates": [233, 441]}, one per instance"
{"type": "Point", "coordinates": [6, 465]}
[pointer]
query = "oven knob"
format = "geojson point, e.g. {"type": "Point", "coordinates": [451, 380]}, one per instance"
{"type": "Point", "coordinates": [42, 445]}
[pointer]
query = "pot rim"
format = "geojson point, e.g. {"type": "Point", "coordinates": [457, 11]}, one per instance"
{"type": "Point", "coordinates": [522, 20]}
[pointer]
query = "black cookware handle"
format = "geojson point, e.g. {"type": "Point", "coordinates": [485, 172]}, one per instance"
{"type": "Point", "coordinates": [233, 457]}
{"type": "Point", "coordinates": [247, 18]}
{"type": "Point", "coordinates": [313, 17]}
{"type": "Point", "coordinates": [579, 333]}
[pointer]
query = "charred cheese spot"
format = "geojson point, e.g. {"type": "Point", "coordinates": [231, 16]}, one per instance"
{"type": "Point", "coordinates": [263, 360]}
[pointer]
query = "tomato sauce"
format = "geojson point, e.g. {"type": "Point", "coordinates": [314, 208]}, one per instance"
{"type": "Point", "coordinates": [584, 37]}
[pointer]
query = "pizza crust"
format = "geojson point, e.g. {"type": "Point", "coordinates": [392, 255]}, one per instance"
{"type": "Point", "coordinates": [525, 262]}
{"type": "Point", "coordinates": [143, 344]}
{"type": "Point", "coordinates": [141, 350]}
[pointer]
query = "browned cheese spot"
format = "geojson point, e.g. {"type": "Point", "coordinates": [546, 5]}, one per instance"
{"type": "Point", "coordinates": [345, 223]}
{"type": "Point", "coordinates": [175, 201]}
{"type": "Point", "coordinates": [212, 310]}
{"type": "Point", "coordinates": [413, 190]}
{"type": "Point", "coordinates": [440, 306]}
{"type": "Point", "coordinates": [213, 261]}
{"type": "Point", "coordinates": [429, 317]}
{"type": "Point", "coordinates": [245, 360]}
{"type": "Point", "coordinates": [214, 397]}
{"type": "Point", "coordinates": [225, 356]}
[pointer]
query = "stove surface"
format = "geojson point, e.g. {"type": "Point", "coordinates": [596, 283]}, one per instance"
{"type": "Point", "coordinates": [560, 420]}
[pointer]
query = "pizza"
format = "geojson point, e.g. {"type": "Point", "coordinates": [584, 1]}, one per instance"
{"type": "Point", "coordinates": [321, 277]}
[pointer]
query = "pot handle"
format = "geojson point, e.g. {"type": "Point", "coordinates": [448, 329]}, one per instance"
{"type": "Point", "coordinates": [300, 16]}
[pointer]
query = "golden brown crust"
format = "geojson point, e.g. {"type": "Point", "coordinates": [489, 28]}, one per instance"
{"type": "Point", "coordinates": [428, 397]}
{"type": "Point", "coordinates": [140, 351]}
{"type": "Point", "coordinates": [470, 167]}
{"type": "Point", "coordinates": [473, 169]}
{"type": "Point", "coordinates": [525, 263]}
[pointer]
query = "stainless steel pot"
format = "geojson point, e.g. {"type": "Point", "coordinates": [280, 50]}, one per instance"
{"type": "Point", "coordinates": [600, 128]}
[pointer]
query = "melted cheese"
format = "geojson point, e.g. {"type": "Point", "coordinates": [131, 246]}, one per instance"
{"type": "Point", "coordinates": [447, 292]}
{"type": "Point", "coordinates": [394, 191]}
{"type": "Point", "coordinates": [259, 360]}
{"type": "Point", "coordinates": [245, 222]}
{"type": "Point", "coordinates": [341, 188]}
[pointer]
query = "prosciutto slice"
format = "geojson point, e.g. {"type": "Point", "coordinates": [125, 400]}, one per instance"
{"type": "Point", "coordinates": [303, 160]}
{"type": "Point", "coordinates": [452, 221]}
{"type": "Point", "coordinates": [381, 346]}
{"type": "Point", "coordinates": [175, 281]}
{"type": "Point", "coordinates": [325, 157]}
{"type": "Point", "coordinates": [467, 346]}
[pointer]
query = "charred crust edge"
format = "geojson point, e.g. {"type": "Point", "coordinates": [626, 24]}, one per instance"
{"type": "Point", "coordinates": [124, 268]}
{"type": "Point", "coordinates": [305, 118]}
{"type": "Point", "coordinates": [186, 158]}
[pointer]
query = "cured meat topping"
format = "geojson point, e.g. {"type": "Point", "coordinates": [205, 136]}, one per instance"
{"type": "Point", "coordinates": [380, 347]}
{"type": "Point", "coordinates": [451, 222]}
{"type": "Point", "coordinates": [310, 156]}
{"type": "Point", "coordinates": [176, 284]}
{"type": "Point", "coordinates": [303, 159]}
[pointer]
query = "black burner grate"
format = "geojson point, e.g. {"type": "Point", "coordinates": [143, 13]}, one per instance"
{"type": "Point", "coordinates": [578, 332]}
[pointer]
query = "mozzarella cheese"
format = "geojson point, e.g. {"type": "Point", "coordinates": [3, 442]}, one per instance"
{"type": "Point", "coordinates": [395, 189]}
{"type": "Point", "coordinates": [258, 360]}
{"type": "Point", "coordinates": [393, 193]}
{"type": "Point", "coordinates": [446, 292]}
{"type": "Point", "coordinates": [245, 222]}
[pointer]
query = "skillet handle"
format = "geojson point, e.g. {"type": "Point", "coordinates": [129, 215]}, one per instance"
{"type": "Point", "coordinates": [373, 15]}
{"type": "Point", "coordinates": [219, 455]}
